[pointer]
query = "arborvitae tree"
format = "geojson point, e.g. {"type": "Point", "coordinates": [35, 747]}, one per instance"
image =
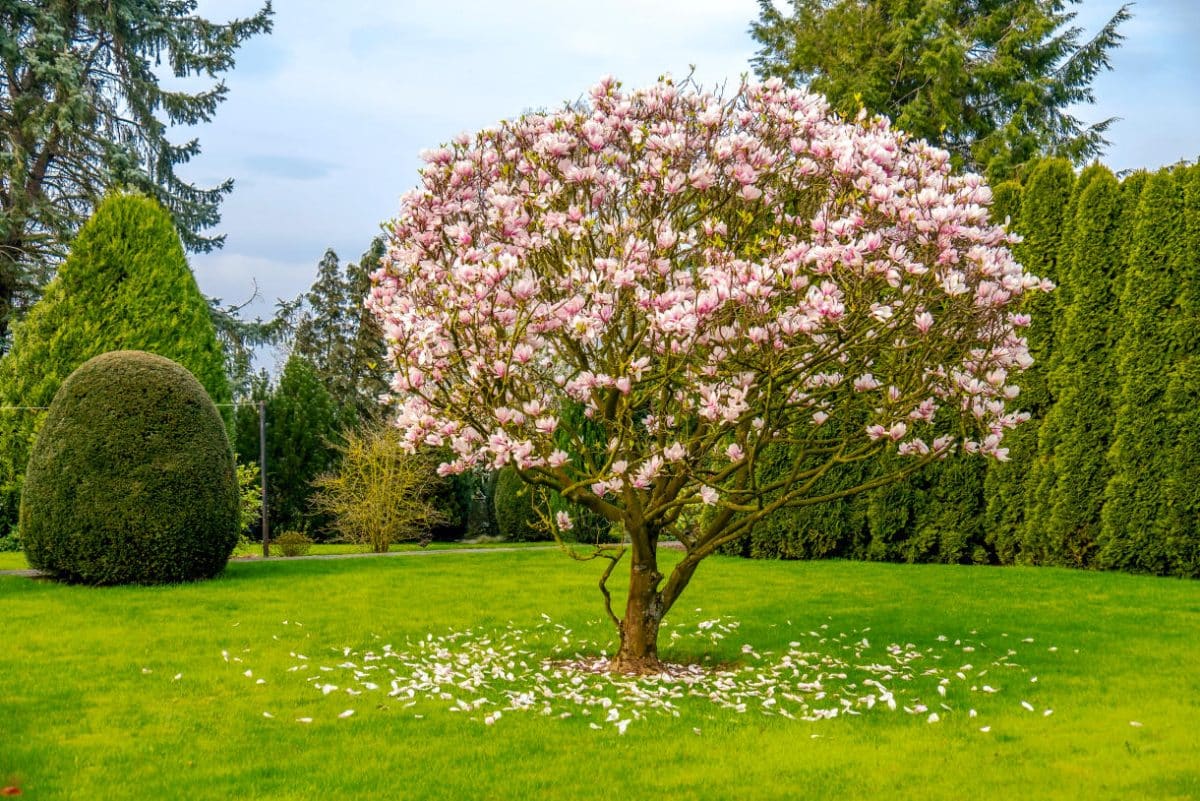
{"type": "Point", "coordinates": [303, 428]}
{"type": "Point", "coordinates": [1134, 515]}
{"type": "Point", "coordinates": [1006, 202]}
{"type": "Point", "coordinates": [892, 513]}
{"type": "Point", "coordinates": [1043, 204]}
{"type": "Point", "coordinates": [951, 527]}
{"type": "Point", "coordinates": [836, 528]}
{"type": "Point", "coordinates": [1043, 474]}
{"type": "Point", "coordinates": [82, 112]}
{"type": "Point", "coordinates": [1067, 523]}
{"type": "Point", "coordinates": [125, 286]}
{"type": "Point", "coordinates": [1181, 489]}
{"type": "Point", "coordinates": [990, 81]}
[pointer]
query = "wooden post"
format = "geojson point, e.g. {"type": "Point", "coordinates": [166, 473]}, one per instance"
{"type": "Point", "coordinates": [262, 468]}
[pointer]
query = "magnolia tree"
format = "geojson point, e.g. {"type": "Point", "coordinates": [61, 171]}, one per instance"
{"type": "Point", "coordinates": [707, 277]}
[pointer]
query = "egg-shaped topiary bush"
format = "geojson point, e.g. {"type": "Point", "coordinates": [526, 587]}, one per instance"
{"type": "Point", "coordinates": [131, 479]}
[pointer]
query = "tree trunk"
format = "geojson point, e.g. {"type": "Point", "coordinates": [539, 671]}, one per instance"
{"type": "Point", "coordinates": [643, 613]}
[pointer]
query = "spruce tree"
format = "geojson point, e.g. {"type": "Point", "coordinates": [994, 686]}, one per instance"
{"type": "Point", "coordinates": [993, 82]}
{"type": "Point", "coordinates": [1043, 205]}
{"type": "Point", "coordinates": [1134, 516]}
{"type": "Point", "coordinates": [125, 286]}
{"type": "Point", "coordinates": [338, 336]}
{"type": "Point", "coordinates": [368, 363]}
{"type": "Point", "coordinates": [1181, 489]}
{"type": "Point", "coordinates": [1068, 520]}
{"type": "Point", "coordinates": [82, 112]}
{"type": "Point", "coordinates": [323, 331]}
{"type": "Point", "coordinates": [303, 432]}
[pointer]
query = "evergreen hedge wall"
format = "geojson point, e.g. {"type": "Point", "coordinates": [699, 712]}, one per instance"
{"type": "Point", "coordinates": [1106, 474]}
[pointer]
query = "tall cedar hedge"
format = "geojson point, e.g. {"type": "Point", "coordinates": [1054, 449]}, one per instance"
{"type": "Point", "coordinates": [1107, 473]}
{"type": "Point", "coordinates": [1064, 527]}
{"type": "Point", "coordinates": [125, 286]}
{"type": "Point", "coordinates": [1043, 472]}
{"type": "Point", "coordinates": [1043, 205]}
{"type": "Point", "coordinates": [1132, 529]}
{"type": "Point", "coordinates": [1180, 527]}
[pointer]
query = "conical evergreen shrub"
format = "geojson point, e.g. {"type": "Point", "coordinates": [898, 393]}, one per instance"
{"type": "Point", "coordinates": [1043, 472]}
{"type": "Point", "coordinates": [126, 285]}
{"type": "Point", "coordinates": [1043, 205]}
{"type": "Point", "coordinates": [1065, 526]}
{"type": "Point", "coordinates": [1181, 489]}
{"type": "Point", "coordinates": [1134, 516]}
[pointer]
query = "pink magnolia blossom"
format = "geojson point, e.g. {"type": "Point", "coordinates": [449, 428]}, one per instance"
{"type": "Point", "coordinates": [534, 271]}
{"type": "Point", "coordinates": [609, 294]}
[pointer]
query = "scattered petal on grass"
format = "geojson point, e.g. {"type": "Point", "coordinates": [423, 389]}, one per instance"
{"type": "Point", "coordinates": [548, 670]}
{"type": "Point", "coordinates": [146, 671]}
{"type": "Point", "coordinates": [304, 720]}
{"type": "Point", "coordinates": [178, 676]}
{"type": "Point", "coordinates": [985, 729]}
{"type": "Point", "coordinates": [346, 714]}
{"type": "Point", "coordinates": [268, 715]}
{"type": "Point", "coordinates": [1027, 705]}
{"type": "Point", "coordinates": [1047, 713]}
{"type": "Point", "coordinates": [1135, 724]}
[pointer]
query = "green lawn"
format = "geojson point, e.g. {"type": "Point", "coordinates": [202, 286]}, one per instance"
{"type": "Point", "coordinates": [15, 560]}
{"type": "Point", "coordinates": [127, 693]}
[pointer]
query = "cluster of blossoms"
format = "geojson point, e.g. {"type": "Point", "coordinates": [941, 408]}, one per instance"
{"type": "Point", "coordinates": [701, 276]}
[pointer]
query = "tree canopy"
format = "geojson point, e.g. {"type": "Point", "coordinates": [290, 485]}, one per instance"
{"type": "Point", "coordinates": [82, 111]}
{"type": "Point", "coordinates": [708, 277]}
{"type": "Point", "coordinates": [993, 81]}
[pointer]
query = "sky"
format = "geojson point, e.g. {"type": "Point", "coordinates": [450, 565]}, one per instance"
{"type": "Point", "coordinates": [326, 116]}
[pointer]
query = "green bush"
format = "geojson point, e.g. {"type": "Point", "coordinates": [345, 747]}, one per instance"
{"type": "Point", "coordinates": [818, 531]}
{"type": "Point", "coordinates": [516, 513]}
{"type": "Point", "coordinates": [131, 480]}
{"type": "Point", "coordinates": [451, 496]}
{"type": "Point", "coordinates": [11, 541]}
{"type": "Point", "coordinates": [292, 543]}
{"type": "Point", "coordinates": [125, 286]}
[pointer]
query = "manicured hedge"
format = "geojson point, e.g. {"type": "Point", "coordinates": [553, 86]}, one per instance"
{"type": "Point", "coordinates": [132, 479]}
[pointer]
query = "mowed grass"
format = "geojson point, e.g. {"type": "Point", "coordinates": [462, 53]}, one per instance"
{"type": "Point", "coordinates": [15, 560]}
{"type": "Point", "coordinates": [124, 693]}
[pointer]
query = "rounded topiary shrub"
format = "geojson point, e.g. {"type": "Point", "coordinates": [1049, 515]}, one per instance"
{"type": "Point", "coordinates": [132, 478]}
